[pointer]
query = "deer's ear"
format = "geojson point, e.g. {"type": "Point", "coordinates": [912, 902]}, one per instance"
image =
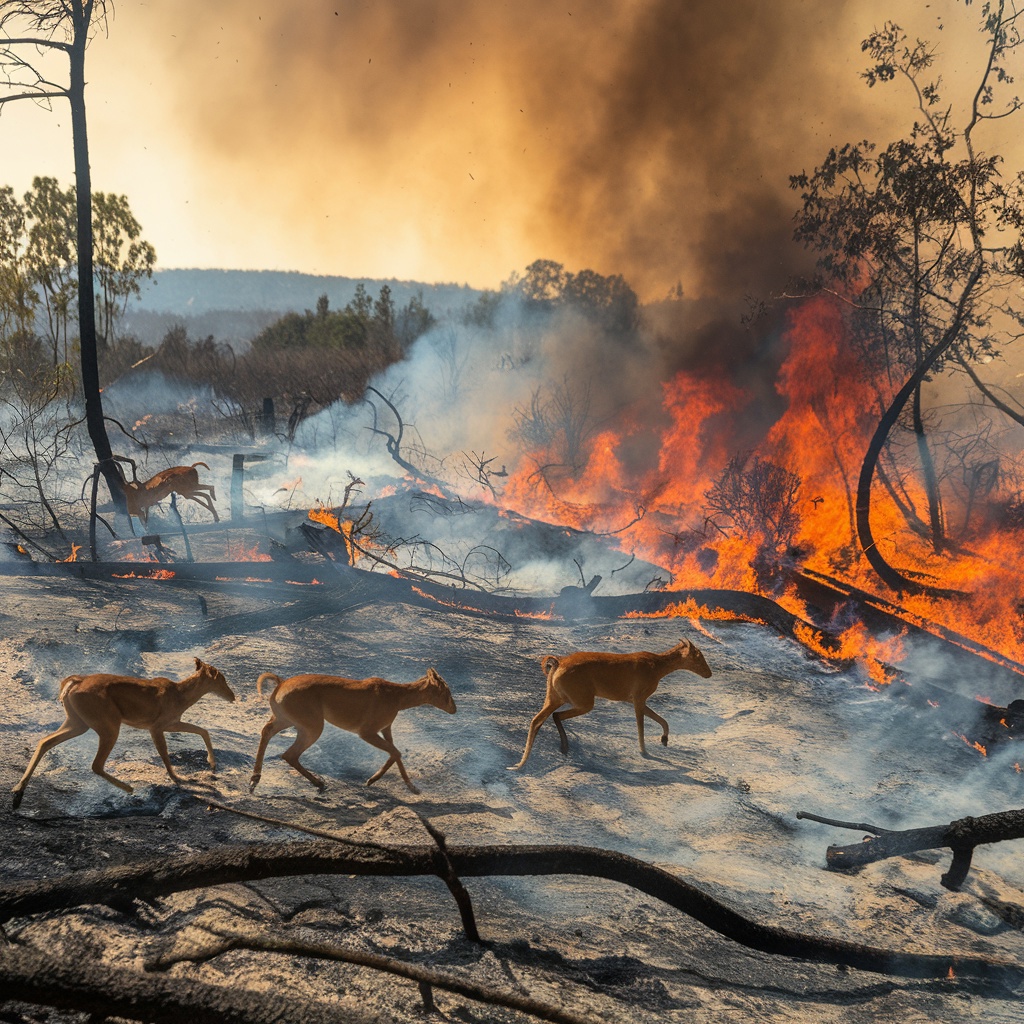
{"type": "Point", "coordinates": [199, 664]}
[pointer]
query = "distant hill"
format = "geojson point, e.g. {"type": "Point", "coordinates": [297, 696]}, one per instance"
{"type": "Point", "coordinates": [234, 305]}
{"type": "Point", "coordinates": [201, 291]}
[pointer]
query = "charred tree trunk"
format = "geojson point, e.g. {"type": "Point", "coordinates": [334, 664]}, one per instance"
{"type": "Point", "coordinates": [886, 572]}
{"type": "Point", "coordinates": [931, 483]}
{"type": "Point", "coordinates": [82, 15]}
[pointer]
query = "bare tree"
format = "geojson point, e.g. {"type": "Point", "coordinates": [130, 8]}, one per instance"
{"type": "Point", "coordinates": [29, 30]}
{"type": "Point", "coordinates": [924, 239]}
{"type": "Point", "coordinates": [759, 499]}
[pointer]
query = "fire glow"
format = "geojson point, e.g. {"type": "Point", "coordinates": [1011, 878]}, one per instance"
{"type": "Point", "coordinates": [829, 412]}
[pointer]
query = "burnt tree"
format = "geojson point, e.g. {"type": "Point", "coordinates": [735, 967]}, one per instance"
{"type": "Point", "coordinates": [66, 26]}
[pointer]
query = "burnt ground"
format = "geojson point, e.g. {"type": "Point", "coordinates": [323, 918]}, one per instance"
{"type": "Point", "coordinates": [773, 731]}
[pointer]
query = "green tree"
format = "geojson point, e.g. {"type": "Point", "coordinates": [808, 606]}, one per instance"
{"type": "Point", "coordinates": [52, 256]}
{"type": "Point", "coordinates": [122, 258]}
{"type": "Point", "coordinates": [18, 300]}
{"type": "Point", "coordinates": [923, 239]}
{"type": "Point", "coordinates": [66, 27]}
{"type": "Point", "coordinates": [608, 302]}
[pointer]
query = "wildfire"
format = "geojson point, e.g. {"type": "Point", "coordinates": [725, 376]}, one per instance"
{"type": "Point", "coordinates": [831, 408]}
{"type": "Point", "coordinates": [971, 743]}
{"type": "Point", "coordinates": [689, 609]}
{"type": "Point", "coordinates": [238, 552]}
{"type": "Point", "coordinates": [548, 616]}
{"type": "Point", "coordinates": [73, 557]}
{"type": "Point", "coordinates": [155, 574]}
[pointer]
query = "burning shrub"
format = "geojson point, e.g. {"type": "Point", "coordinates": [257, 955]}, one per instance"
{"type": "Point", "coordinates": [757, 498]}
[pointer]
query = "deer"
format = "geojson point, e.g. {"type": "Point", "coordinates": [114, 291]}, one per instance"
{"type": "Point", "coordinates": [366, 707]}
{"type": "Point", "coordinates": [141, 495]}
{"type": "Point", "coordinates": [104, 702]}
{"type": "Point", "coordinates": [580, 678]}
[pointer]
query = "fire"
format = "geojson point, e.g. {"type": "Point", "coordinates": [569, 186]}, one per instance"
{"type": "Point", "coordinates": [977, 746]}
{"type": "Point", "coordinates": [156, 574]}
{"type": "Point", "coordinates": [831, 405]}
{"type": "Point", "coordinates": [73, 557]}
{"type": "Point", "coordinates": [548, 616]}
{"type": "Point", "coordinates": [326, 516]}
{"type": "Point", "coordinates": [238, 552]}
{"type": "Point", "coordinates": [689, 609]}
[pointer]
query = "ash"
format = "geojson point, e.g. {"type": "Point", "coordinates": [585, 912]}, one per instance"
{"type": "Point", "coordinates": [773, 731]}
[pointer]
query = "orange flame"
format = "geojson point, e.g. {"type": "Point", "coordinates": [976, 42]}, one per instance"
{"type": "Point", "coordinates": [977, 746]}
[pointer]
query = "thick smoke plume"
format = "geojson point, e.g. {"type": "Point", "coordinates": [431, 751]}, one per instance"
{"type": "Point", "coordinates": [651, 139]}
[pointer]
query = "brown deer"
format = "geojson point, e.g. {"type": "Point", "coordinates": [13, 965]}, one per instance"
{"type": "Point", "coordinates": [581, 677]}
{"type": "Point", "coordinates": [104, 702]}
{"type": "Point", "coordinates": [366, 707]}
{"type": "Point", "coordinates": [184, 480]}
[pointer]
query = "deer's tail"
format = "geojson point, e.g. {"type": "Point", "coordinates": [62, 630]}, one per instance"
{"type": "Point", "coordinates": [66, 684]}
{"type": "Point", "coordinates": [203, 464]}
{"type": "Point", "coordinates": [268, 676]}
{"type": "Point", "coordinates": [549, 663]}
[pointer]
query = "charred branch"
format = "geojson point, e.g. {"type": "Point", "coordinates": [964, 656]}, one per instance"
{"type": "Point", "coordinates": [97, 988]}
{"type": "Point", "coordinates": [961, 836]}
{"type": "Point", "coordinates": [426, 979]}
{"type": "Point", "coordinates": [393, 442]}
{"type": "Point", "coordinates": [157, 877]}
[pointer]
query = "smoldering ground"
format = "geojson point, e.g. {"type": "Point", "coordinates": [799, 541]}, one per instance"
{"type": "Point", "coordinates": [773, 731]}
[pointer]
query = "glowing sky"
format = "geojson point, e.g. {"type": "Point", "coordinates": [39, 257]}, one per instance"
{"type": "Point", "coordinates": [458, 140]}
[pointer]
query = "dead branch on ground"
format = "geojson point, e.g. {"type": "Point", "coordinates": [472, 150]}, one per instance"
{"type": "Point", "coordinates": [93, 987]}
{"type": "Point", "coordinates": [158, 876]}
{"type": "Point", "coordinates": [265, 942]}
{"type": "Point", "coordinates": [961, 836]}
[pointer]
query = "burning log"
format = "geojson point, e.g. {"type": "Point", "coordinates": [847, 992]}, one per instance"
{"type": "Point", "coordinates": [961, 836]}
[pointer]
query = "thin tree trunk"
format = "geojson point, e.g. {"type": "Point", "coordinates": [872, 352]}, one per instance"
{"type": "Point", "coordinates": [886, 572]}
{"type": "Point", "coordinates": [931, 484]}
{"type": "Point", "coordinates": [82, 14]}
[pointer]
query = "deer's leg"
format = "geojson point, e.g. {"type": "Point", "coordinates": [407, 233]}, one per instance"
{"type": "Point", "coordinates": [73, 726]}
{"type": "Point", "coordinates": [196, 730]}
{"type": "Point", "coordinates": [108, 737]}
{"type": "Point", "coordinates": [271, 729]}
{"type": "Point", "coordinates": [661, 721]}
{"type": "Point", "coordinates": [308, 734]}
{"type": "Point", "coordinates": [204, 500]}
{"type": "Point", "coordinates": [573, 712]}
{"type": "Point", "coordinates": [551, 703]}
{"type": "Point", "coordinates": [384, 742]}
{"type": "Point", "coordinates": [160, 742]}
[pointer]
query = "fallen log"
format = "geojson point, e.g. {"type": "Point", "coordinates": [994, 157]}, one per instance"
{"type": "Point", "coordinates": [105, 991]}
{"type": "Point", "coordinates": [961, 836]}
{"type": "Point", "coordinates": [156, 877]}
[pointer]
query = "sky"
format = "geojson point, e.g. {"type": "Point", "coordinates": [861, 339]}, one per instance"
{"type": "Point", "coordinates": [459, 140]}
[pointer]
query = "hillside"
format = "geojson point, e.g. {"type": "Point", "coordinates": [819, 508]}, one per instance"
{"type": "Point", "coordinates": [234, 305]}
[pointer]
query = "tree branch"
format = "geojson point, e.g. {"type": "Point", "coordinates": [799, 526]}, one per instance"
{"type": "Point", "coordinates": [247, 863]}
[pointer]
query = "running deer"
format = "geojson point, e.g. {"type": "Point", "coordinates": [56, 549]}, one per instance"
{"type": "Point", "coordinates": [581, 677]}
{"type": "Point", "coordinates": [366, 707]}
{"type": "Point", "coordinates": [141, 495]}
{"type": "Point", "coordinates": [104, 703]}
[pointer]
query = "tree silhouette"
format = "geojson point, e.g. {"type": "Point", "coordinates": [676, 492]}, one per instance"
{"type": "Point", "coordinates": [924, 239]}
{"type": "Point", "coordinates": [29, 30]}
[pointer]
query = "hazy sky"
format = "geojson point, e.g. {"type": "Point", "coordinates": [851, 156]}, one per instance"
{"type": "Point", "coordinates": [458, 140]}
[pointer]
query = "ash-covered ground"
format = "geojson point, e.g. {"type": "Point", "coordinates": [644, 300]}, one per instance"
{"type": "Point", "coordinates": [772, 732]}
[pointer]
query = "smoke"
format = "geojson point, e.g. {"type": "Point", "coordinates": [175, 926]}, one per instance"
{"type": "Point", "coordinates": [652, 139]}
